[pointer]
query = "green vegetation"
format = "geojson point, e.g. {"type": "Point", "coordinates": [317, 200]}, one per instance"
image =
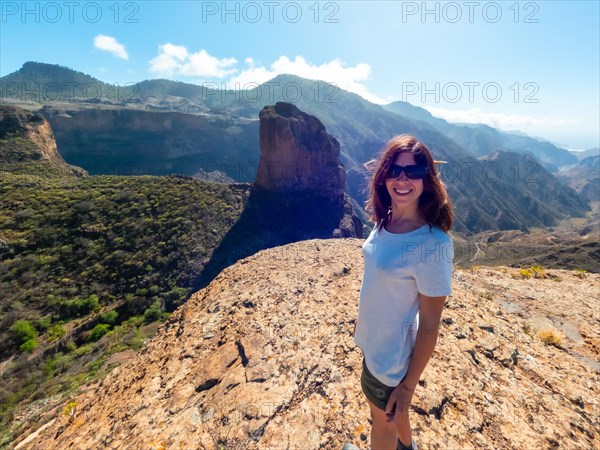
{"type": "Point", "coordinates": [85, 262]}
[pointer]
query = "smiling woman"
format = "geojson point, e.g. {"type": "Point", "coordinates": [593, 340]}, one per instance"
{"type": "Point", "coordinates": [408, 259]}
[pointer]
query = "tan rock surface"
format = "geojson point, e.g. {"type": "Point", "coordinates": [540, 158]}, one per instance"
{"type": "Point", "coordinates": [264, 358]}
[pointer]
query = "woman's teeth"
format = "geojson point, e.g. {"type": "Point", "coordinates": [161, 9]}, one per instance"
{"type": "Point", "coordinates": [402, 191]}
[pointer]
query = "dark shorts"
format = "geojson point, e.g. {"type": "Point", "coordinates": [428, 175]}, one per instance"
{"type": "Point", "coordinates": [375, 390]}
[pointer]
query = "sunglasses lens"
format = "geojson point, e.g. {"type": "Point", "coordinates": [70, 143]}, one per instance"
{"type": "Point", "coordinates": [394, 171]}
{"type": "Point", "coordinates": [414, 172]}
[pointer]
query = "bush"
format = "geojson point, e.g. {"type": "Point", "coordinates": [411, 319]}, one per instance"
{"type": "Point", "coordinates": [23, 331]}
{"type": "Point", "coordinates": [551, 337]}
{"type": "Point", "coordinates": [153, 313]}
{"type": "Point", "coordinates": [44, 323]}
{"type": "Point", "coordinates": [110, 317]}
{"type": "Point", "coordinates": [525, 273]}
{"type": "Point", "coordinates": [533, 271]}
{"type": "Point", "coordinates": [98, 331]}
{"type": "Point", "coordinates": [28, 346]}
{"type": "Point", "coordinates": [56, 331]}
{"type": "Point", "coordinates": [581, 273]}
{"type": "Point", "coordinates": [71, 346]}
{"type": "Point", "coordinates": [135, 321]}
{"type": "Point", "coordinates": [79, 306]}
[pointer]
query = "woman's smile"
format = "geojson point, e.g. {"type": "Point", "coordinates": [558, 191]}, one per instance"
{"type": "Point", "coordinates": [403, 191]}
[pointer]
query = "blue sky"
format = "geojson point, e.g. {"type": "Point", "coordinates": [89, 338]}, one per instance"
{"type": "Point", "coordinates": [528, 66]}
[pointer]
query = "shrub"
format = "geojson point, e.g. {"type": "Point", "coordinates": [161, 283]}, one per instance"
{"type": "Point", "coordinates": [83, 350]}
{"type": "Point", "coordinates": [28, 346]}
{"type": "Point", "coordinates": [56, 331]}
{"type": "Point", "coordinates": [525, 273]}
{"type": "Point", "coordinates": [69, 407]}
{"type": "Point", "coordinates": [551, 337]}
{"type": "Point", "coordinates": [23, 331]}
{"type": "Point", "coordinates": [581, 273]}
{"type": "Point", "coordinates": [98, 331]}
{"type": "Point", "coordinates": [153, 313]}
{"type": "Point", "coordinates": [533, 271]}
{"type": "Point", "coordinates": [135, 321]}
{"type": "Point", "coordinates": [44, 323]}
{"type": "Point", "coordinates": [538, 272]}
{"type": "Point", "coordinates": [70, 346]}
{"type": "Point", "coordinates": [79, 306]}
{"type": "Point", "coordinates": [110, 317]}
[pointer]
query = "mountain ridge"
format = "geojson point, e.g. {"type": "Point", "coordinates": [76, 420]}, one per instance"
{"type": "Point", "coordinates": [221, 130]}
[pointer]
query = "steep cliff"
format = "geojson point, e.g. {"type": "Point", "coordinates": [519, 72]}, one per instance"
{"type": "Point", "coordinates": [123, 141]}
{"type": "Point", "coordinates": [297, 153]}
{"type": "Point", "coordinates": [27, 146]}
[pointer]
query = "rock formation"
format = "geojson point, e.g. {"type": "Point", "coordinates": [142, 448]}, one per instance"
{"type": "Point", "coordinates": [264, 357]}
{"type": "Point", "coordinates": [299, 192]}
{"type": "Point", "coordinates": [299, 159]}
{"type": "Point", "coordinates": [27, 138]}
{"type": "Point", "coordinates": [297, 153]}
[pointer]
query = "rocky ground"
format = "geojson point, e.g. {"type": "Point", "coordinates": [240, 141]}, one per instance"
{"type": "Point", "coordinates": [264, 358]}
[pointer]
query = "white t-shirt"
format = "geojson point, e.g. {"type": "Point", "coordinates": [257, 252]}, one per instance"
{"type": "Point", "coordinates": [399, 266]}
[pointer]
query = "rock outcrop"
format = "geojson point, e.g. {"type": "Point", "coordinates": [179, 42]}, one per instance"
{"type": "Point", "coordinates": [299, 192]}
{"type": "Point", "coordinates": [26, 139]}
{"type": "Point", "coordinates": [299, 157]}
{"type": "Point", "coordinates": [264, 357]}
{"type": "Point", "coordinates": [297, 153]}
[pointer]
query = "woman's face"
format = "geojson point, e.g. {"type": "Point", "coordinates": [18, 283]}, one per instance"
{"type": "Point", "coordinates": [403, 190]}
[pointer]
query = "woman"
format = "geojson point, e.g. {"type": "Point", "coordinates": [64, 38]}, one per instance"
{"type": "Point", "coordinates": [408, 261]}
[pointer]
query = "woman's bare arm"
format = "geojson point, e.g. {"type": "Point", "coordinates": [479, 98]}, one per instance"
{"type": "Point", "coordinates": [430, 314]}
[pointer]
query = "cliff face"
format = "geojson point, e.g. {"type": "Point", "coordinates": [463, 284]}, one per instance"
{"type": "Point", "coordinates": [27, 139]}
{"type": "Point", "coordinates": [264, 357]}
{"type": "Point", "coordinates": [121, 141]}
{"type": "Point", "coordinates": [297, 153]}
{"type": "Point", "coordinates": [300, 178]}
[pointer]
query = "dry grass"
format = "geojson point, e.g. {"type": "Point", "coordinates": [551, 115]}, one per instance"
{"type": "Point", "coordinates": [550, 336]}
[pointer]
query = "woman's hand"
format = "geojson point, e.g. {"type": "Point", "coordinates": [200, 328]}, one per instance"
{"type": "Point", "coordinates": [397, 406]}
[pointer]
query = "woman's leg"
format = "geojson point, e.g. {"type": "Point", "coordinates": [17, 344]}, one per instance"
{"type": "Point", "coordinates": [403, 429]}
{"type": "Point", "coordinates": [383, 434]}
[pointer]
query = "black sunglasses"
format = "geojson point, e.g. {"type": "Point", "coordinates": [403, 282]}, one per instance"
{"type": "Point", "coordinates": [414, 171]}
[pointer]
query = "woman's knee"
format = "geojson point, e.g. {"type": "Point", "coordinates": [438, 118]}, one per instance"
{"type": "Point", "coordinates": [379, 418]}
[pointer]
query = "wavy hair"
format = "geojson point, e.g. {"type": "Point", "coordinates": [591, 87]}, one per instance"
{"type": "Point", "coordinates": [434, 203]}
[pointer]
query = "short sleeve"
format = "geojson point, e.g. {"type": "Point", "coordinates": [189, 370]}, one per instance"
{"type": "Point", "coordinates": [434, 271]}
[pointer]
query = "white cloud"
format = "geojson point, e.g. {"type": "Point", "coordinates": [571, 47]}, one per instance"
{"type": "Point", "coordinates": [111, 45]}
{"type": "Point", "coordinates": [176, 60]}
{"type": "Point", "coordinates": [333, 72]}
{"type": "Point", "coordinates": [498, 120]}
